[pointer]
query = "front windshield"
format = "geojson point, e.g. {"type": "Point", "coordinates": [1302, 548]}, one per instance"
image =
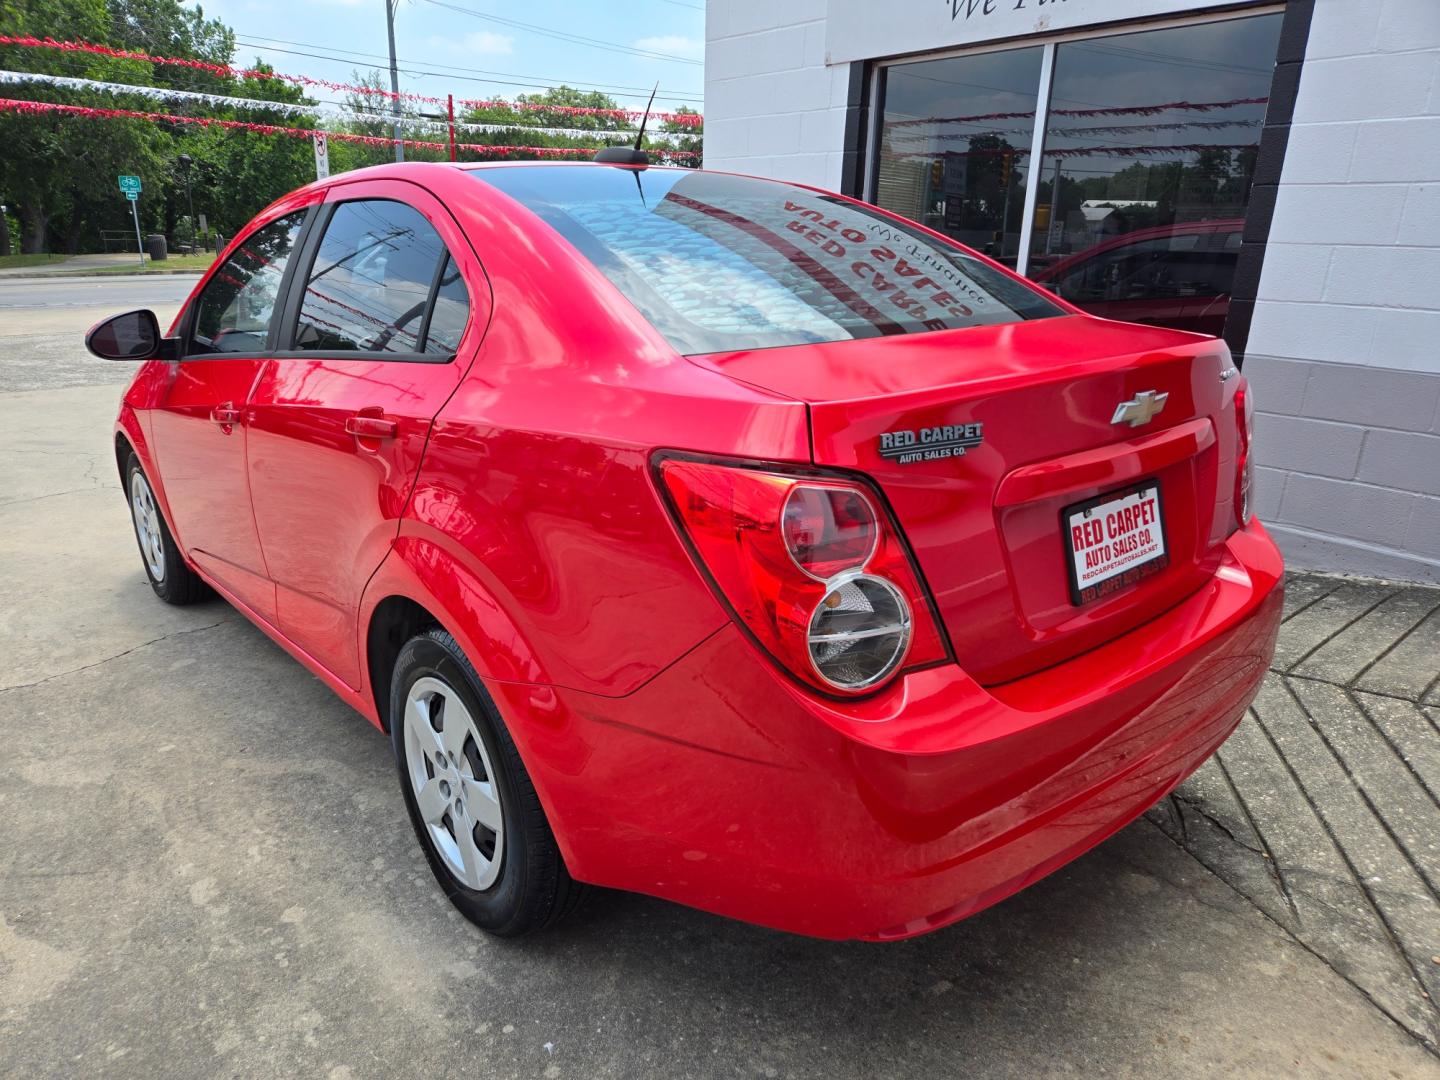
{"type": "Point", "coordinates": [719, 263]}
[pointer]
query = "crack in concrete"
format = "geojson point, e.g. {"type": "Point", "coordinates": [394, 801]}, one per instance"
{"type": "Point", "coordinates": [117, 656]}
{"type": "Point", "coordinates": [1357, 702]}
{"type": "Point", "coordinates": [1277, 875]}
{"type": "Point", "coordinates": [1196, 808]}
{"type": "Point", "coordinates": [1420, 1040]}
{"type": "Point", "coordinates": [51, 495]}
{"type": "Point", "coordinates": [1336, 633]}
{"type": "Point", "coordinates": [1363, 793]}
{"type": "Point", "coordinates": [1393, 646]}
{"type": "Point", "coordinates": [1359, 879]}
{"type": "Point", "coordinates": [1308, 604]}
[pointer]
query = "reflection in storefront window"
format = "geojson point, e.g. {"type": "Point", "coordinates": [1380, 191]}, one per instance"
{"type": "Point", "coordinates": [1149, 155]}
{"type": "Point", "coordinates": [954, 146]}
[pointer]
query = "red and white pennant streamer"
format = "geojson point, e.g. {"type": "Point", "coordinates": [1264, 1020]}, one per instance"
{"type": "Point", "coordinates": [41, 107]}
{"type": "Point", "coordinates": [290, 108]}
{"type": "Point", "coordinates": [25, 41]}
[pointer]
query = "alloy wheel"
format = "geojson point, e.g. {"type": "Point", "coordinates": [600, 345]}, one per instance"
{"type": "Point", "coordinates": [453, 783]}
{"type": "Point", "coordinates": [147, 525]}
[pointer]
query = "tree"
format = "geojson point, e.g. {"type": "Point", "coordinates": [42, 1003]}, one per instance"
{"type": "Point", "coordinates": [345, 156]}
{"type": "Point", "coordinates": [235, 174]}
{"type": "Point", "coordinates": [691, 141]}
{"type": "Point", "coordinates": [522, 123]}
{"type": "Point", "coordinates": [59, 171]}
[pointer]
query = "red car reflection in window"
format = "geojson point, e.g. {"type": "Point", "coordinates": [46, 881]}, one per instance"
{"type": "Point", "coordinates": [1170, 275]}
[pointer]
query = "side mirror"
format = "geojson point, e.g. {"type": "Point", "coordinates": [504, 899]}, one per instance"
{"type": "Point", "coordinates": [134, 335]}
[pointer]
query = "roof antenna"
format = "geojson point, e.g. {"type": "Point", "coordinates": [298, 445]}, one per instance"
{"type": "Point", "coordinates": [628, 155]}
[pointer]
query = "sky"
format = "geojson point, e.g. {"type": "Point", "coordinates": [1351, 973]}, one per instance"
{"type": "Point", "coordinates": [489, 49]}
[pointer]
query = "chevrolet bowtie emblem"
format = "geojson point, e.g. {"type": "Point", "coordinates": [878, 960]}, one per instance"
{"type": "Point", "coordinates": [1140, 409]}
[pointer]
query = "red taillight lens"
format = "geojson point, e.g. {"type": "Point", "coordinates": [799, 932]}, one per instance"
{"type": "Point", "coordinates": [815, 573]}
{"type": "Point", "coordinates": [1244, 459]}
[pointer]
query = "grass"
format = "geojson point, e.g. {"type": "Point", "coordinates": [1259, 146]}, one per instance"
{"type": "Point", "coordinates": [174, 262]}
{"type": "Point", "coordinates": [10, 262]}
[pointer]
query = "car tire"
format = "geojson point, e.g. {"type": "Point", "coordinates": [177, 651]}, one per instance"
{"type": "Point", "coordinates": [168, 572]}
{"type": "Point", "coordinates": [470, 799]}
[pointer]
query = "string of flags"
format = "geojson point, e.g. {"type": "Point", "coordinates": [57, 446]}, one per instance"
{"type": "Point", "coordinates": [12, 105]}
{"type": "Point", "coordinates": [321, 112]}
{"type": "Point", "coordinates": [633, 115]}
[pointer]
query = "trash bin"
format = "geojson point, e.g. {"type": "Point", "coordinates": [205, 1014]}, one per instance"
{"type": "Point", "coordinates": [155, 247]}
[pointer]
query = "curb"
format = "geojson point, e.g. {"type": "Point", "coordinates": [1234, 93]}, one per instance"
{"type": "Point", "coordinates": [122, 273]}
{"type": "Point", "coordinates": [97, 274]}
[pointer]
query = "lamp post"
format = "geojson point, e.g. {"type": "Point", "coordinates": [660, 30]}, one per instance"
{"type": "Point", "coordinates": [185, 162]}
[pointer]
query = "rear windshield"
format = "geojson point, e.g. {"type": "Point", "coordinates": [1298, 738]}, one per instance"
{"type": "Point", "coordinates": [719, 263]}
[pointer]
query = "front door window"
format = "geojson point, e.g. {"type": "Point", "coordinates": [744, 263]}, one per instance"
{"type": "Point", "coordinates": [237, 306]}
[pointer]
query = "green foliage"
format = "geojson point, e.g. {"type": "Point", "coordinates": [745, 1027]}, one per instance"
{"type": "Point", "coordinates": [519, 125]}
{"type": "Point", "coordinates": [345, 156]}
{"type": "Point", "coordinates": [1212, 183]}
{"type": "Point", "coordinates": [58, 172]}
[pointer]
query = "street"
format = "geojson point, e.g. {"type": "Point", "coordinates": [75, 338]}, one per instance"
{"type": "Point", "coordinates": [39, 317]}
{"type": "Point", "coordinates": [205, 866]}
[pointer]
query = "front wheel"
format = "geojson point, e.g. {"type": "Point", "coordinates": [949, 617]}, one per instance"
{"type": "Point", "coordinates": [472, 803]}
{"type": "Point", "coordinates": [170, 577]}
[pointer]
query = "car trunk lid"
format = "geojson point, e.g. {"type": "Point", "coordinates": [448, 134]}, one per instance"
{"type": "Point", "coordinates": [985, 440]}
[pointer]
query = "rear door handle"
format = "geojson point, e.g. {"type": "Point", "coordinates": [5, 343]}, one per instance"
{"type": "Point", "coordinates": [225, 414]}
{"type": "Point", "coordinates": [371, 427]}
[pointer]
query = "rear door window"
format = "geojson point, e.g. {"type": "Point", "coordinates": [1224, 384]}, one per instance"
{"type": "Point", "coordinates": [370, 286]}
{"type": "Point", "coordinates": [719, 263]}
{"type": "Point", "coordinates": [450, 314]}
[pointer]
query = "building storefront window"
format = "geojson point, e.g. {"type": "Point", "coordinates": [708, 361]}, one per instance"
{"type": "Point", "coordinates": [1146, 162]}
{"type": "Point", "coordinates": [953, 146]}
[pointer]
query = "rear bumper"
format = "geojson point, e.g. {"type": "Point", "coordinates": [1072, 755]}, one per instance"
{"type": "Point", "coordinates": [720, 785]}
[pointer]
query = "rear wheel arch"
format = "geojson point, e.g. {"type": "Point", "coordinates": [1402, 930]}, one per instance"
{"type": "Point", "coordinates": [395, 620]}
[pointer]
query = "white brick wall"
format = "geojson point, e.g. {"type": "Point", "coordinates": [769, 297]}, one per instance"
{"type": "Point", "coordinates": [780, 111]}
{"type": "Point", "coordinates": [1344, 349]}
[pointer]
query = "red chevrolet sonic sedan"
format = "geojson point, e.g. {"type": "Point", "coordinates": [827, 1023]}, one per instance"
{"type": "Point", "coordinates": [706, 536]}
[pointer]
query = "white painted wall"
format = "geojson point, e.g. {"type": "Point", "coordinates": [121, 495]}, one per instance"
{"type": "Point", "coordinates": [772, 106]}
{"type": "Point", "coordinates": [1344, 349]}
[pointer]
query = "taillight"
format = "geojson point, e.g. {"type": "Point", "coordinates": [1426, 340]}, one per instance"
{"type": "Point", "coordinates": [829, 529]}
{"type": "Point", "coordinates": [1244, 459]}
{"type": "Point", "coordinates": [812, 567]}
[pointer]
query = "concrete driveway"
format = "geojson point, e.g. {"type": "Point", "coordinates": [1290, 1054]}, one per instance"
{"type": "Point", "coordinates": [205, 868]}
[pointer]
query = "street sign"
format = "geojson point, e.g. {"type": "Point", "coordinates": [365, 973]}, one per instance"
{"type": "Point", "coordinates": [322, 157]}
{"type": "Point", "coordinates": [130, 185]}
{"type": "Point", "coordinates": [132, 195]}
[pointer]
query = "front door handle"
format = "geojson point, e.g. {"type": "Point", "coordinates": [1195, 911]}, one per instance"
{"type": "Point", "coordinates": [371, 427]}
{"type": "Point", "coordinates": [225, 414]}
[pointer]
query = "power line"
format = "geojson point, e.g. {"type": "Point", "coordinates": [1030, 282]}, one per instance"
{"type": "Point", "coordinates": [560, 35]}
{"type": "Point", "coordinates": [548, 83]}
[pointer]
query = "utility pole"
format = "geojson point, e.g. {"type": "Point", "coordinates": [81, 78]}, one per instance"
{"type": "Point", "coordinates": [394, 78]}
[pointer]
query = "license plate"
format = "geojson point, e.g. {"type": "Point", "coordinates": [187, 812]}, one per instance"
{"type": "Point", "coordinates": [1113, 541]}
